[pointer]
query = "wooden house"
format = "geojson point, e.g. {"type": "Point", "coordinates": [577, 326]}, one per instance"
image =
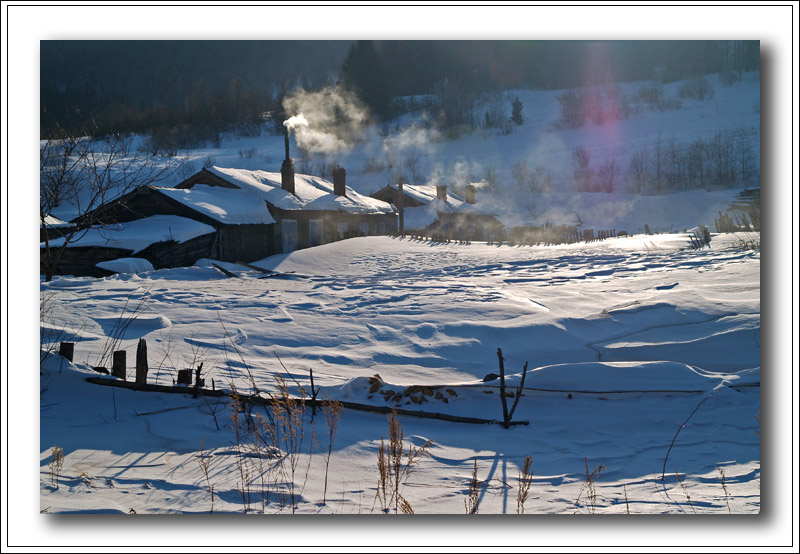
{"type": "Point", "coordinates": [308, 211]}
{"type": "Point", "coordinates": [229, 215]}
{"type": "Point", "coordinates": [432, 211]}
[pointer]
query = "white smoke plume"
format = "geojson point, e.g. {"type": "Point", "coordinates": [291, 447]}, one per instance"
{"type": "Point", "coordinates": [414, 137]}
{"type": "Point", "coordinates": [327, 121]}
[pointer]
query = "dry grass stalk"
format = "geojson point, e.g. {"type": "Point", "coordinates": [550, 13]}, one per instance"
{"type": "Point", "coordinates": [627, 506]}
{"type": "Point", "coordinates": [237, 406]}
{"type": "Point", "coordinates": [204, 461]}
{"type": "Point", "coordinates": [289, 425]}
{"type": "Point", "coordinates": [56, 463]}
{"type": "Point", "coordinates": [239, 354]}
{"type": "Point", "coordinates": [395, 466]}
{"type": "Point", "coordinates": [525, 479]}
{"type": "Point", "coordinates": [757, 430]}
{"type": "Point", "coordinates": [685, 492]}
{"type": "Point", "coordinates": [589, 485]}
{"type": "Point", "coordinates": [472, 501]}
{"type": "Point", "coordinates": [333, 411]}
{"type": "Point", "coordinates": [52, 334]}
{"type": "Point", "coordinates": [723, 482]}
{"type": "Point", "coordinates": [114, 338]}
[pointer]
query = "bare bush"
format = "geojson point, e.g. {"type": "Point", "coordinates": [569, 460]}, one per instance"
{"type": "Point", "coordinates": [395, 466]}
{"type": "Point", "coordinates": [411, 163]}
{"type": "Point", "coordinates": [728, 77]}
{"type": "Point", "coordinates": [582, 175]}
{"type": "Point", "coordinates": [496, 114]}
{"type": "Point", "coordinates": [588, 487]}
{"type": "Point", "coordinates": [571, 115]}
{"type": "Point", "coordinates": [56, 463]}
{"type": "Point", "coordinates": [86, 173]}
{"type": "Point", "coordinates": [472, 502]}
{"type": "Point", "coordinates": [698, 88]}
{"type": "Point", "coordinates": [333, 411]}
{"type": "Point", "coordinates": [639, 171]}
{"type": "Point", "coordinates": [524, 483]}
{"type": "Point", "coordinates": [606, 175]}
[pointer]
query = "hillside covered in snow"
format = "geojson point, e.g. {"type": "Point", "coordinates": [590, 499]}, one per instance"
{"type": "Point", "coordinates": [618, 156]}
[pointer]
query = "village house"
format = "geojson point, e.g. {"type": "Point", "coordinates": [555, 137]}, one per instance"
{"type": "Point", "coordinates": [224, 214]}
{"type": "Point", "coordinates": [432, 211]}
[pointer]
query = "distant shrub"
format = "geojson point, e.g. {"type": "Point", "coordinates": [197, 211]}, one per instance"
{"type": "Point", "coordinates": [186, 170]}
{"type": "Point", "coordinates": [650, 93]}
{"type": "Point", "coordinates": [728, 77]}
{"type": "Point", "coordinates": [571, 114]}
{"type": "Point", "coordinates": [698, 88]}
{"type": "Point", "coordinates": [516, 111]}
{"type": "Point", "coordinates": [210, 161]}
{"type": "Point", "coordinates": [373, 165]}
{"type": "Point", "coordinates": [668, 104]}
{"type": "Point", "coordinates": [247, 152]}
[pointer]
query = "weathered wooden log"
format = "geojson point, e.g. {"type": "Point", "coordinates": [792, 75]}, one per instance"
{"type": "Point", "coordinates": [262, 401]}
{"type": "Point", "coordinates": [118, 368]}
{"type": "Point", "coordinates": [141, 361]}
{"type": "Point", "coordinates": [67, 350]}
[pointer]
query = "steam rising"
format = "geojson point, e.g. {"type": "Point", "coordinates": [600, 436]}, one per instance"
{"type": "Point", "coordinates": [327, 121]}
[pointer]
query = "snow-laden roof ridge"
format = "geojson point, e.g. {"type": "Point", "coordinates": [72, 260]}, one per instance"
{"type": "Point", "coordinates": [311, 192]}
{"type": "Point", "coordinates": [138, 234]}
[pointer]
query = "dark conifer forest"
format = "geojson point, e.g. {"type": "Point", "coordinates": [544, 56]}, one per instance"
{"type": "Point", "coordinates": [197, 89]}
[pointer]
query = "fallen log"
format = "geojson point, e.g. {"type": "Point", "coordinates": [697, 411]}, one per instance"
{"type": "Point", "coordinates": [262, 401]}
{"type": "Point", "coordinates": [225, 271]}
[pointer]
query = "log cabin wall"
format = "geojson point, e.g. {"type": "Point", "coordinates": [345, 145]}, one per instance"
{"type": "Point", "coordinates": [245, 243]}
{"type": "Point", "coordinates": [378, 224]}
{"type": "Point", "coordinates": [81, 261]}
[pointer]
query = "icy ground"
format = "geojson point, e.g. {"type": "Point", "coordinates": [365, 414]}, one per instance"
{"type": "Point", "coordinates": [624, 339]}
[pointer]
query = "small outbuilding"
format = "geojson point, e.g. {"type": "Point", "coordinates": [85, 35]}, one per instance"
{"type": "Point", "coordinates": [432, 211]}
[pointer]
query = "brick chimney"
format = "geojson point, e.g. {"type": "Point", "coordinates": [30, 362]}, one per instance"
{"type": "Point", "coordinates": [339, 187]}
{"type": "Point", "coordinates": [441, 192]}
{"type": "Point", "coordinates": [287, 169]}
{"type": "Point", "coordinates": [469, 194]}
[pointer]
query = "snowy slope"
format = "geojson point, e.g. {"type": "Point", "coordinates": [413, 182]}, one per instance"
{"type": "Point", "coordinates": [628, 341]}
{"type": "Point", "coordinates": [383, 153]}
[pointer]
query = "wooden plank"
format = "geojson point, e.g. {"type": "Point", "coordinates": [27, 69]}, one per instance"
{"type": "Point", "coordinates": [310, 403]}
{"type": "Point", "coordinates": [225, 271]}
{"type": "Point", "coordinates": [256, 268]}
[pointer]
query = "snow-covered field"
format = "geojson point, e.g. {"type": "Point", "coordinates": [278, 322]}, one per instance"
{"type": "Point", "coordinates": [643, 356]}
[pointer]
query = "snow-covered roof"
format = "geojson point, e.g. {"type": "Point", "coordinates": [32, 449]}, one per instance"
{"type": "Point", "coordinates": [139, 234]}
{"type": "Point", "coordinates": [427, 195]}
{"type": "Point", "coordinates": [311, 193]}
{"type": "Point", "coordinates": [420, 217]}
{"type": "Point", "coordinates": [54, 222]}
{"type": "Point", "coordinates": [230, 206]}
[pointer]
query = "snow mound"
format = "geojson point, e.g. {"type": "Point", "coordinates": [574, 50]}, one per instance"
{"type": "Point", "coordinates": [619, 377]}
{"type": "Point", "coordinates": [127, 265]}
{"type": "Point", "coordinates": [133, 328]}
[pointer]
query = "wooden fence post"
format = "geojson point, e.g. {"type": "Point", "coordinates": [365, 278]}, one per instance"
{"type": "Point", "coordinates": [141, 362]}
{"type": "Point", "coordinates": [67, 349]}
{"type": "Point", "coordinates": [503, 388]}
{"type": "Point", "coordinates": [118, 368]}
